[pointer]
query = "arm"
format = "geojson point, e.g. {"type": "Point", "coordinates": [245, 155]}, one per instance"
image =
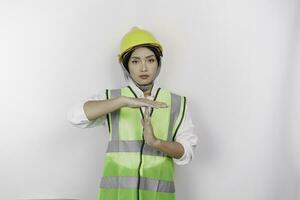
{"type": "Point", "coordinates": [77, 117]}
{"type": "Point", "coordinates": [187, 137]}
{"type": "Point", "coordinates": [91, 111]}
{"type": "Point", "coordinates": [95, 109]}
{"type": "Point", "coordinates": [173, 149]}
{"type": "Point", "coordinates": [182, 149]}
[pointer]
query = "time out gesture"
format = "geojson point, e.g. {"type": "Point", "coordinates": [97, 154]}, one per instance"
{"type": "Point", "coordinates": [149, 136]}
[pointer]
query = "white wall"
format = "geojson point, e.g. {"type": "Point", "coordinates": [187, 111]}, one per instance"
{"type": "Point", "coordinates": [237, 62]}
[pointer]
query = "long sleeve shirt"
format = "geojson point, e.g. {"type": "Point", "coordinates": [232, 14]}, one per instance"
{"type": "Point", "coordinates": [185, 135]}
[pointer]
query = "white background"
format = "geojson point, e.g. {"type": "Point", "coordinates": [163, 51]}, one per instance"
{"type": "Point", "coordinates": [237, 61]}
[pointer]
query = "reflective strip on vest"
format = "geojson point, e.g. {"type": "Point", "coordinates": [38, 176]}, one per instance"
{"type": "Point", "coordinates": [175, 103]}
{"type": "Point", "coordinates": [115, 116]}
{"type": "Point", "coordinates": [132, 146]}
{"type": "Point", "coordinates": [131, 182]}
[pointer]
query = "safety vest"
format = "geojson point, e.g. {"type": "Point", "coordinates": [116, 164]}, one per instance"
{"type": "Point", "coordinates": [133, 170]}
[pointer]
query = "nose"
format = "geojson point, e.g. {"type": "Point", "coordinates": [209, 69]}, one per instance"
{"type": "Point", "coordinates": [144, 66]}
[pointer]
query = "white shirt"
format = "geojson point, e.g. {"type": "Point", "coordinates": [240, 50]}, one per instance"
{"type": "Point", "coordinates": [185, 135]}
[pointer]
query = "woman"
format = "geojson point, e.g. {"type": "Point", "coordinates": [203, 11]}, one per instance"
{"type": "Point", "coordinates": [149, 127]}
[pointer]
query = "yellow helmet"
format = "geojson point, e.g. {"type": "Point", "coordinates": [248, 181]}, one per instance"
{"type": "Point", "coordinates": [136, 37]}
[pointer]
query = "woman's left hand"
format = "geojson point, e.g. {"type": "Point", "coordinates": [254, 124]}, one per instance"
{"type": "Point", "coordinates": [149, 136]}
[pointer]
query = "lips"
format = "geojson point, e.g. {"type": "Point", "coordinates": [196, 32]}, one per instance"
{"type": "Point", "coordinates": [144, 76]}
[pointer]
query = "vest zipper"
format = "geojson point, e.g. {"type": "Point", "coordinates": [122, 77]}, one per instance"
{"type": "Point", "coordinates": [142, 147]}
{"type": "Point", "coordinates": [139, 175]}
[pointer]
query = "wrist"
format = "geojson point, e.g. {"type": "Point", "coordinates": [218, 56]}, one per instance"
{"type": "Point", "coordinates": [156, 143]}
{"type": "Point", "coordinates": [122, 101]}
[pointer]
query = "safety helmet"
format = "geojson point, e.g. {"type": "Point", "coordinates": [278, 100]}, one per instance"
{"type": "Point", "coordinates": [136, 37]}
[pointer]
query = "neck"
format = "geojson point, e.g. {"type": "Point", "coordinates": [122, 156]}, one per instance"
{"type": "Point", "coordinates": [147, 93]}
{"type": "Point", "coordinates": [145, 88]}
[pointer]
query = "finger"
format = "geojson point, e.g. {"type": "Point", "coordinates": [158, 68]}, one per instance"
{"type": "Point", "coordinates": [148, 118]}
{"type": "Point", "coordinates": [148, 105]}
{"type": "Point", "coordinates": [163, 105]}
{"type": "Point", "coordinates": [160, 105]}
{"type": "Point", "coordinates": [153, 104]}
{"type": "Point", "coordinates": [146, 114]}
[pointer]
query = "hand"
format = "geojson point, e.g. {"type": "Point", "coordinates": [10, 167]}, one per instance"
{"type": "Point", "coordinates": [149, 136]}
{"type": "Point", "coordinates": [142, 102]}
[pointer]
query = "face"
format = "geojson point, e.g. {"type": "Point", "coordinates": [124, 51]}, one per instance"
{"type": "Point", "coordinates": [142, 65]}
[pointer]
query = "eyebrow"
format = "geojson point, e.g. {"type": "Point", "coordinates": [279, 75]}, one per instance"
{"type": "Point", "coordinates": [139, 57]}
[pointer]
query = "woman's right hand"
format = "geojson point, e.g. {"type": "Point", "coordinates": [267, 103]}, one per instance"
{"type": "Point", "coordinates": [142, 102]}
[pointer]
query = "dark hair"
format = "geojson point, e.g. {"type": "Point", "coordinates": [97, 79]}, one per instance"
{"type": "Point", "coordinates": [152, 48]}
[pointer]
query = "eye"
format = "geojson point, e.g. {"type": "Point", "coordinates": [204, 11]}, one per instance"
{"type": "Point", "coordinates": [134, 61]}
{"type": "Point", "coordinates": [151, 60]}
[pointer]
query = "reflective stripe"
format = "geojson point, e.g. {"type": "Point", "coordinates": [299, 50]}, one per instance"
{"type": "Point", "coordinates": [132, 146]}
{"type": "Point", "coordinates": [181, 117]}
{"type": "Point", "coordinates": [124, 146]}
{"type": "Point", "coordinates": [149, 150]}
{"type": "Point", "coordinates": [175, 109]}
{"type": "Point", "coordinates": [131, 182]}
{"type": "Point", "coordinates": [115, 116]}
{"type": "Point", "coordinates": [156, 185]}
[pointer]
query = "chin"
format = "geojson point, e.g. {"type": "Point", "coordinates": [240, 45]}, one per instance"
{"type": "Point", "coordinates": [146, 82]}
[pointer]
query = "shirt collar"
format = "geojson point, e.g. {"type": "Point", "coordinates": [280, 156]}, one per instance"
{"type": "Point", "coordinates": [140, 93]}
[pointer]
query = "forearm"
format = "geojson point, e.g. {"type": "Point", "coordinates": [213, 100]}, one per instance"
{"type": "Point", "coordinates": [95, 109]}
{"type": "Point", "coordinates": [173, 149]}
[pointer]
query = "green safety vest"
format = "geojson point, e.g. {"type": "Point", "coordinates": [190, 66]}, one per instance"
{"type": "Point", "coordinates": [133, 170]}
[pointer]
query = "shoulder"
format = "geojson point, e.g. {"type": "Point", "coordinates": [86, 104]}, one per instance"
{"type": "Point", "coordinates": [173, 93]}
{"type": "Point", "coordinates": [115, 89]}
{"type": "Point", "coordinates": [121, 91]}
